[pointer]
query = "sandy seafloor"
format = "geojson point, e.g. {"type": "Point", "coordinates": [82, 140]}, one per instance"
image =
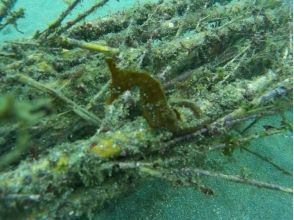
{"type": "Point", "coordinates": [160, 200]}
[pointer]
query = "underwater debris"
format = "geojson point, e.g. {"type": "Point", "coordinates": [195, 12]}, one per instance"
{"type": "Point", "coordinates": [67, 42]}
{"type": "Point", "coordinates": [199, 172]}
{"type": "Point", "coordinates": [52, 27]}
{"type": "Point", "coordinates": [81, 16]}
{"type": "Point", "coordinates": [5, 8]}
{"type": "Point", "coordinates": [221, 81]}
{"type": "Point", "coordinates": [80, 111]}
{"type": "Point", "coordinates": [11, 17]}
{"type": "Point", "coordinates": [58, 31]}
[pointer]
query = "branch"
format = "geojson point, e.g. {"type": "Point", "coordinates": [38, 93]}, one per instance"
{"type": "Point", "coordinates": [59, 20]}
{"type": "Point", "coordinates": [98, 96]}
{"type": "Point", "coordinates": [67, 42]}
{"type": "Point", "coordinates": [278, 167]}
{"type": "Point", "coordinates": [200, 172]}
{"type": "Point", "coordinates": [78, 110]}
{"type": "Point", "coordinates": [12, 18]}
{"type": "Point", "coordinates": [247, 139]}
{"type": "Point", "coordinates": [5, 8]}
{"type": "Point", "coordinates": [80, 17]}
{"type": "Point", "coordinates": [237, 179]}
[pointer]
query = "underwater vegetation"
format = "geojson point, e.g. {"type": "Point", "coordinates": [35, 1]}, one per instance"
{"type": "Point", "coordinates": [89, 110]}
{"type": "Point", "coordinates": [8, 16]}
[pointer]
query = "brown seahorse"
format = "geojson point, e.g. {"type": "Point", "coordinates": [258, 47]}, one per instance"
{"type": "Point", "coordinates": [155, 108]}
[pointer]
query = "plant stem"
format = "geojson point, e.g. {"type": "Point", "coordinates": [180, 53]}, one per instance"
{"type": "Point", "coordinates": [78, 110]}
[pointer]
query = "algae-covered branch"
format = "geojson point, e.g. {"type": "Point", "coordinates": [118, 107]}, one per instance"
{"type": "Point", "coordinates": [91, 109]}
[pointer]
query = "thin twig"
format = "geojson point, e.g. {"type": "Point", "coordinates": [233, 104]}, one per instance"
{"type": "Point", "coordinates": [80, 17]}
{"type": "Point", "coordinates": [199, 172]}
{"type": "Point", "coordinates": [237, 179]}
{"type": "Point", "coordinates": [12, 19]}
{"type": "Point", "coordinates": [214, 126]}
{"type": "Point", "coordinates": [78, 110]}
{"type": "Point", "coordinates": [29, 197]}
{"type": "Point", "coordinates": [98, 96]}
{"type": "Point", "coordinates": [247, 139]}
{"type": "Point", "coordinates": [278, 167]}
{"type": "Point", "coordinates": [250, 138]}
{"type": "Point", "coordinates": [249, 126]}
{"type": "Point", "coordinates": [261, 156]}
{"type": "Point", "coordinates": [59, 20]}
{"type": "Point", "coordinates": [237, 56]}
{"type": "Point", "coordinates": [5, 8]}
{"type": "Point", "coordinates": [242, 53]}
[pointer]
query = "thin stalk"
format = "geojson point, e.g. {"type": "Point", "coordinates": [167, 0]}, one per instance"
{"type": "Point", "coordinates": [78, 110]}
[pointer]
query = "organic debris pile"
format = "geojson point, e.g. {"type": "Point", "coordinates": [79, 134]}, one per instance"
{"type": "Point", "coordinates": [89, 110]}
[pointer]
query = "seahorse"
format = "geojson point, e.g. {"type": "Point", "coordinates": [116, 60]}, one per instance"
{"type": "Point", "coordinates": [155, 108]}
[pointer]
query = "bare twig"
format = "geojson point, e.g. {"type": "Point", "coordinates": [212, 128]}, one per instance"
{"type": "Point", "coordinates": [249, 126]}
{"type": "Point", "coordinates": [200, 172]}
{"type": "Point", "coordinates": [237, 179]}
{"type": "Point", "coordinates": [261, 156]}
{"type": "Point", "coordinates": [278, 167]}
